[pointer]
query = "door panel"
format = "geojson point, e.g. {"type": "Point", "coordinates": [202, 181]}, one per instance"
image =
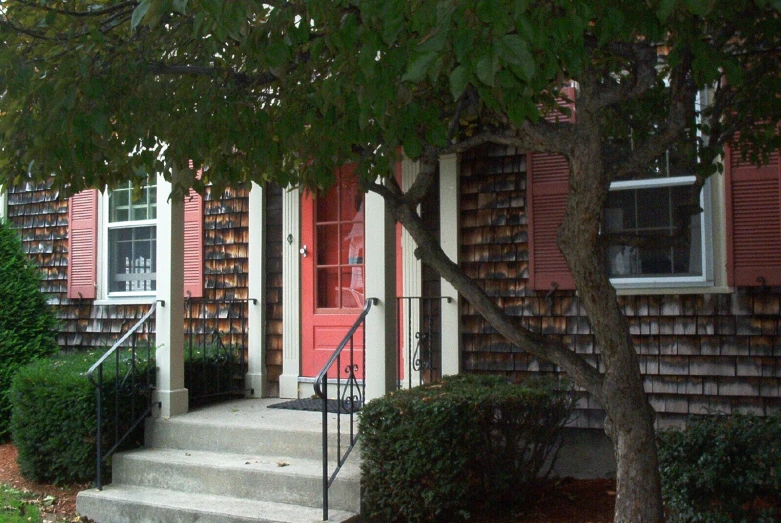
{"type": "Point", "coordinates": [332, 232]}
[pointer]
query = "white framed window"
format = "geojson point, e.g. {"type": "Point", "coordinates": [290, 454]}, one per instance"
{"type": "Point", "coordinates": [129, 233]}
{"type": "Point", "coordinates": [654, 208]}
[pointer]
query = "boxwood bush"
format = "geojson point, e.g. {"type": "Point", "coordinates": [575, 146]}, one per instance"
{"type": "Point", "coordinates": [431, 452]}
{"type": "Point", "coordinates": [54, 421]}
{"type": "Point", "coordinates": [26, 321]}
{"type": "Point", "coordinates": [723, 469]}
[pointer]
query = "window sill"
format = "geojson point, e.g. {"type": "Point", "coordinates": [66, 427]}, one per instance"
{"type": "Point", "coordinates": [670, 289]}
{"type": "Point", "coordinates": [126, 300]}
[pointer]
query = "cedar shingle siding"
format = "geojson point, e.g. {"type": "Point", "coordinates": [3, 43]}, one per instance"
{"type": "Point", "coordinates": [42, 220]}
{"type": "Point", "coordinates": [700, 353]}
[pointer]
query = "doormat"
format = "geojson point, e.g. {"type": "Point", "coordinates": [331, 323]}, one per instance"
{"type": "Point", "coordinates": [310, 404]}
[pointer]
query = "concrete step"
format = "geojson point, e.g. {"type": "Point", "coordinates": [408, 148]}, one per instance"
{"type": "Point", "coordinates": [287, 433]}
{"type": "Point", "coordinates": [277, 478]}
{"type": "Point", "coordinates": [134, 504]}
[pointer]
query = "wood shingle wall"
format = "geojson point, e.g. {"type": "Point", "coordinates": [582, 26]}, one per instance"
{"type": "Point", "coordinates": [700, 353]}
{"type": "Point", "coordinates": [41, 217]}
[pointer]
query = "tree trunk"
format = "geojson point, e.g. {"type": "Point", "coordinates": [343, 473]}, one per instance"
{"type": "Point", "coordinates": [629, 417]}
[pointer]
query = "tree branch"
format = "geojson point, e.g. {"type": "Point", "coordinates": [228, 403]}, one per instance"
{"type": "Point", "coordinates": [430, 252]}
{"type": "Point", "coordinates": [82, 14]}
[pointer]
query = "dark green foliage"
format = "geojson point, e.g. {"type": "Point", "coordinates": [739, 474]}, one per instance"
{"type": "Point", "coordinates": [431, 452]}
{"type": "Point", "coordinates": [54, 417]}
{"type": "Point", "coordinates": [54, 422]}
{"type": "Point", "coordinates": [723, 469]}
{"type": "Point", "coordinates": [26, 322]}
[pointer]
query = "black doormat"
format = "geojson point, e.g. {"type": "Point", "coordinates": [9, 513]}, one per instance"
{"type": "Point", "coordinates": [310, 404]}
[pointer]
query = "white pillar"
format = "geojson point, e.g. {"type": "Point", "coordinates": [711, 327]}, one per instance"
{"type": "Point", "coordinates": [255, 380]}
{"type": "Point", "coordinates": [3, 203]}
{"type": "Point", "coordinates": [380, 280]}
{"type": "Point", "coordinates": [291, 294]}
{"type": "Point", "coordinates": [170, 306]}
{"type": "Point", "coordinates": [412, 274]}
{"type": "Point", "coordinates": [448, 237]}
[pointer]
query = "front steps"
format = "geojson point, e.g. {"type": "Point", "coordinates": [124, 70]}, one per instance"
{"type": "Point", "coordinates": [234, 462]}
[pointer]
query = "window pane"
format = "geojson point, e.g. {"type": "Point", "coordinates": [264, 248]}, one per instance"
{"type": "Point", "coordinates": [328, 288]}
{"type": "Point", "coordinates": [125, 204]}
{"type": "Point", "coordinates": [352, 287]}
{"type": "Point", "coordinates": [653, 208]}
{"type": "Point", "coordinates": [132, 259]}
{"type": "Point", "coordinates": [653, 213]}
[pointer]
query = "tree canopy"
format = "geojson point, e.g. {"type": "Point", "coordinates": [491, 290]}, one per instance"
{"type": "Point", "coordinates": [95, 92]}
{"type": "Point", "coordinates": [285, 90]}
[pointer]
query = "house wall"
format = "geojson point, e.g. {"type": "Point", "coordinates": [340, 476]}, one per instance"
{"type": "Point", "coordinates": [41, 217]}
{"type": "Point", "coordinates": [699, 353]}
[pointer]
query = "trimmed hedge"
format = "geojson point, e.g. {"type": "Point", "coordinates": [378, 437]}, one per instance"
{"type": "Point", "coordinates": [54, 422]}
{"type": "Point", "coordinates": [723, 469]}
{"type": "Point", "coordinates": [431, 452]}
{"type": "Point", "coordinates": [27, 323]}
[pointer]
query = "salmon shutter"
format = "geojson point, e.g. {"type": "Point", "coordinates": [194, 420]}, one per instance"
{"type": "Point", "coordinates": [193, 245]}
{"type": "Point", "coordinates": [548, 177]}
{"type": "Point", "coordinates": [753, 222]}
{"type": "Point", "coordinates": [83, 244]}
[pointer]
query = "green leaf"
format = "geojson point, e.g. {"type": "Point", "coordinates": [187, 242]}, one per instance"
{"type": "Point", "coordinates": [517, 52]}
{"type": "Point", "coordinates": [459, 79]}
{"type": "Point", "coordinates": [665, 9]}
{"type": "Point", "coordinates": [700, 7]}
{"type": "Point", "coordinates": [180, 6]}
{"type": "Point", "coordinates": [486, 68]}
{"type": "Point", "coordinates": [139, 12]}
{"type": "Point", "coordinates": [418, 67]}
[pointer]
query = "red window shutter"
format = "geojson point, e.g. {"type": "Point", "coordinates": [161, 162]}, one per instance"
{"type": "Point", "coordinates": [193, 245]}
{"type": "Point", "coordinates": [753, 222]}
{"type": "Point", "coordinates": [83, 244]}
{"type": "Point", "coordinates": [548, 179]}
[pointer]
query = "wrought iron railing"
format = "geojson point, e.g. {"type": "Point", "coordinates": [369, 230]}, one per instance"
{"type": "Point", "coordinates": [343, 370]}
{"type": "Point", "coordinates": [119, 415]}
{"type": "Point", "coordinates": [420, 353]}
{"type": "Point", "coordinates": [216, 345]}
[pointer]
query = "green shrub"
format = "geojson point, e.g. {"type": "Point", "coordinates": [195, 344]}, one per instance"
{"type": "Point", "coordinates": [723, 469]}
{"type": "Point", "coordinates": [431, 452]}
{"type": "Point", "coordinates": [26, 322]}
{"type": "Point", "coordinates": [54, 421]}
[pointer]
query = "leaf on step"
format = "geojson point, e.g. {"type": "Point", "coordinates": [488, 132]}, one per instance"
{"type": "Point", "coordinates": [282, 464]}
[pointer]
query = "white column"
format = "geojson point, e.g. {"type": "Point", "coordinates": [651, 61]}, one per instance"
{"type": "Point", "coordinates": [380, 280]}
{"type": "Point", "coordinates": [412, 274]}
{"type": "Point", "coordinates": [170, 307]}
{"type": "Point", "coordinates": [291, 294]}
{"type": "Point", "coordinates": [255, 380]}
{"type": "Point", "coordinates": [448, 237]}
{"type": "Point", "coordinates": [3, 203]}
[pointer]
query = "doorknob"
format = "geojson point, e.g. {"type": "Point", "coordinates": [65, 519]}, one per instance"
{"type": "Point", "coordinates": [303, 251]}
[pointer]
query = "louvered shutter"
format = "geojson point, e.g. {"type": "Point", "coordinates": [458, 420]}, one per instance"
{"type": "Point", "coordinates": [193, 244]}
{"type": "Point", "coordinates": [83, 244]}
{"type": "Point", "coordinates": [548, 176]}
{"type": "Point", "coordinates": [548, 180]}
{"type": "Point", "coordinates": [753, 222]}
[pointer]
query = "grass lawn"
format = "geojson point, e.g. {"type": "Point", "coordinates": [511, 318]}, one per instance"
{"type": "Point", "coordinates": [17, 506]}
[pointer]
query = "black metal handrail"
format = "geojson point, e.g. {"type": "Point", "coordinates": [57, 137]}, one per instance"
{"type": "Point", "coordinates": [348, 401]}
{"type": "Point", "coordinates": [423, 352]}
{"type": "Point", "coordinates": [128, 384]}
{"type": "Point", "coordinates": [216, 342]}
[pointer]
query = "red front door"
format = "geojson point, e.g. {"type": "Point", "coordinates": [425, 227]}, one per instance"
{"type": "Point", "coordinates": [332, 269]}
